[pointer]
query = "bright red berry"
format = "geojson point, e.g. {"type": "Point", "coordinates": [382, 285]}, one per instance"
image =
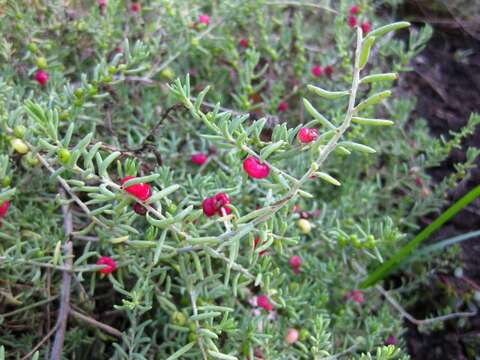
{"type": "Point", "coordinates": [352, 21]}
{"type": "Point", "coordinates": [255, 169]}
{"type": "Point", "coordinates": [264, 303]}
{"type": "Point", "coordinates": [199, 158]}
{"type": "Point", "coordinates": [4, 208]}
{"type": "Point", "coordinates": [307, 135]}
{"type": "Point", "coordinates": [135, 7]}
{"type": "Point", "coordinates": [366, 27]}
{"type": "Point", "coordinates": [317, 70]}
{"type": "Point", "coordinates": [139, 209]}
{"type": "Point", "coordinates": [295, 262]}
{"type": "Point", "coordinates": [141, 191]}
{"type": "Point", "coordinates": [102, 3]}
{"type": "Point", "coordinates": [282, 107]}
{"type": "Point", "coordinates": [354, 10]}
{"type": "Point", "coordinates": [204, 19]}
{"type": "Point", "coordinates": [209, 207]}
{"type": "Point", "coordinates": [328, 70]}
{"type": "Point", "coordinates": [243, 43]}
{"type": "Point", "coordinates": [217, 204]}
{"type": "Point", "coordinates": [41, 77]}
{"type": "Point", "coordinates": [110, 267]}
{"type": "Point", "coordinates": [356, 296]}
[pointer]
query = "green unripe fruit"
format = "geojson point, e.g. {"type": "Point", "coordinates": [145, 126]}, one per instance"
{"type": "Point", "coordinates": [41, 62]}
{"type": "Point", "coordinates": [342, 240]}
{"type": "Point", "coordinates": [64, 115]}
{"type": "Point", "coordinates": [32, 47]}
{"type": "Point", "coordinates": [92, 91]}
{"type": "Point", "coordinates": [112, 70]}
{"type": "Point", "coordinates": [370, 242]}
{"type": "Point", "coordinates": [63, 156]}
{"type": "Point", "coordinates": [31, 159]}
{"type": "Point", "coordinates": [304, 334]}
{"type": "Point", "coordinates": [304, 226]}
{"type": "Point", "coordinates": [168, 73]}
{"type": "Point", "coordinates": [355, 241]}
{"type": "Point", "coordinates": [78, 92]}
{"type": "Point", "coordinates": [178, 318]}
{"type": "Point", "coordinates": [6, 181]}
{"type": "Point", "coordinates": [192, 337]}
{"type": "Point", "coordinates": [19, 131]}
{"type": "Point", "coordinates": [19, 146]}
{"type": "Point", "coordinates": [192, 326]}
{"type": "Point", "coordinates": [195, 42]}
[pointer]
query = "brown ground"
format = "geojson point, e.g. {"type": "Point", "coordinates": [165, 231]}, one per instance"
{"type": "Point", "coordinates": [446, 81]}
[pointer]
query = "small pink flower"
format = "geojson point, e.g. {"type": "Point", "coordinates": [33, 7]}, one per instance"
{"type": "Point", "coordinates": [199, 158]}
{"type": "Point", "coordinates": [255, 169]}
{"type": "Point", "coordinates": [356, 296]}
{"type": "Point", "coordinates": [366, 27]}
{"type": "Point", "coordinates": [41, 77]}
{"type": "Point", "coordinates": [102, 3]}
{"type": "Point", "coordinates": [307, 135]}
{"type": "Point", "coordinates": [204, 19]}
{"type": "Point", "coordinates": [110, 267]}
{"type": "Point", "coordinates": [292, 336]}
{"type": "Point", "coordinates": [354, 10]}
{"type": "Point", "coordinates": [317, 70]}
{"type": "Point", "coordinates": [243, 43]}
{"type": "Point", "coordinates": [264, 303]}
{"type": "Point", "coordinates": [352, 21]}
{"type": "Point", "coordinates": [282, 107]}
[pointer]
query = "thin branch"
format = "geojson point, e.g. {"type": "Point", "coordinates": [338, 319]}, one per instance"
{"type": "Point", "coordinates": [36, 347]}
{"type": "Point", "coordinates": [96, 323]}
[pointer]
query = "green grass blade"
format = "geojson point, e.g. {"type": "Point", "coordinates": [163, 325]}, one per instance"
{"type": "Point", "coordinates": [391, 264]}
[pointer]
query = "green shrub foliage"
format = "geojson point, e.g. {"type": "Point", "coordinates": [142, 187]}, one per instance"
{"type": "Point", "coordinates": [135, 89]}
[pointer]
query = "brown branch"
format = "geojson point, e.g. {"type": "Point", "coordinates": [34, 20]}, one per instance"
{"type": "Point", "coordinates": [61, 324]}
{"type": "Point", "coordinates": [95, 323]}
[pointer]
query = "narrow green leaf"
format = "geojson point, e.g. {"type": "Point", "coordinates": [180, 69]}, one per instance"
{"type": "Point", "coordinates": [372, 100]}
{"type": "Point", "coordinates": [181, 351]}
{"type": "Point", "coordinates": [328, 178]}
{"type": "Point", "coordinates": [358, 147]}
{"type": "Point", "coordinates": [367, 44]}
{"type": "Point", "coordinates": [163, 193]}
{"type": "Point", "coordinates": [330, 95]}
{"type": "Point", "coordinates": [379, 77]}
{"type": "Point", "coordinates": [143, 179]}
{"type": "Point", "coordinates": [371, 122]}
{"type": "Point", "coordinates": [221, 356]}
{"type": "Point", "coordinates": [316, 115]}
{"type": "Point", "coordinates": [388, 28]}
{"type": "Point", "coordinates": [391, 264]}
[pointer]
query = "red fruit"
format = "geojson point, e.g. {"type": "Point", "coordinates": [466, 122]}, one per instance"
{"type": "Point", "coordinates": [217, 204]}
{"type": "Point", "coordinates": [139, 209]}
{"type": "Point", "coordinates": [352, 21]}
{"type": "Point", "coordinates": [328, 70]}
{"type": "Point", "coordinates": [199, 158]}
{"type": "Point", "coordinates": [102, 3]}
{"type": "Point", "coordinates": [356, 296]}
{"type": "Point", "coordinates": [354, 10]}
{"type": "Point", "coordinates": [141, 191]}
{"type": "Point", "coordinates": [366, 27]}
{"type": "Point", "coordinates": [317, 70]}
{"type": "Point", "coordinates": [307, 135]}
{"type": "Point", "coordinates": [209, 207]}
{"type": "Point", "coordinates": [283, 106]}
{"type": "Point", "coordinates": [4, 208]}
{"type": "Point", "coordinates": [243, 43]}
{"type": "Point", "coordinates": [255, 169]}
{"type": "Point", "coordinates": [204, 19]}
{"type": "Point", "coordinates": [135, 7]}
{"type": "Point", "coordinates": [264, 303]}
{"type": "Point", "coordinates": [295, 261]}
{"type": "Point", "coordinates": [111, 265]}
{"type": "Point", "coordinates": [41, 77]}
{"type": "Point", "coordinates": [255, 244]}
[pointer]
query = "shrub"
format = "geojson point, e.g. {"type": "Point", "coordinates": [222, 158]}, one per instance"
{"type": "Point", "coordinates": [157, 217]}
